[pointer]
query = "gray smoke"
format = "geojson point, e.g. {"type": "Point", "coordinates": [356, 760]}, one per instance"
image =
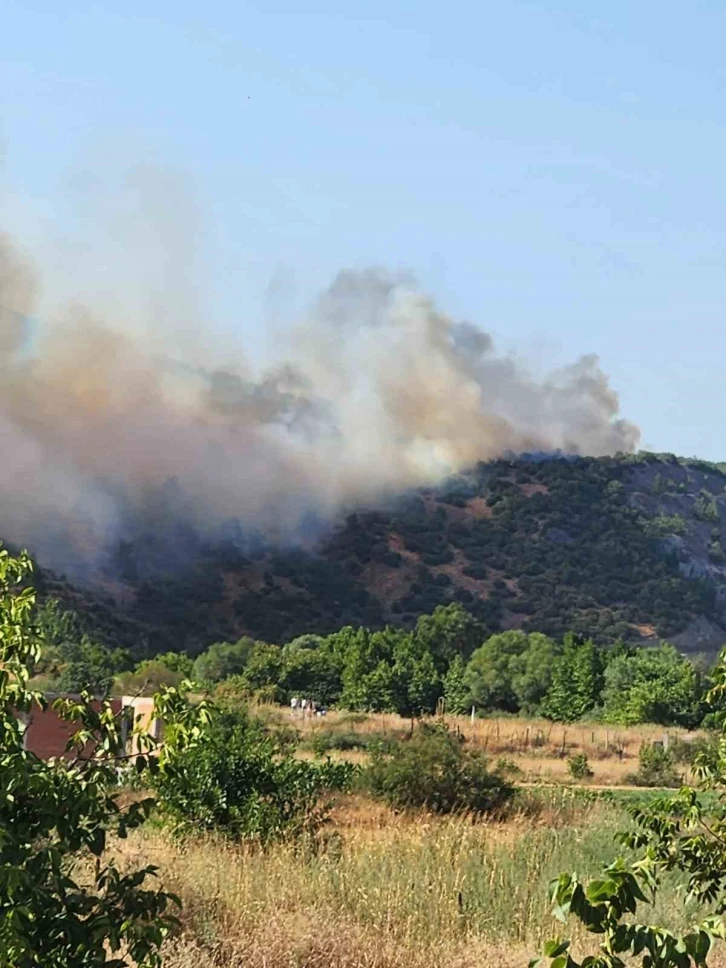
{"type": "Point", "coordinates": [375, 391]}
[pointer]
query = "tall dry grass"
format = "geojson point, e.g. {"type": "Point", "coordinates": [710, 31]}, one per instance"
{"type": "Point", "coordinates": [503, 735]}
{"type": "Point", "coordinates": [537, 747]}
{"type": "Point", "coordinates": [404, 892]}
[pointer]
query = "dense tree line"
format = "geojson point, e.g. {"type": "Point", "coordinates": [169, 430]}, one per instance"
{"type": "Point", "coordinates": [446, 658]}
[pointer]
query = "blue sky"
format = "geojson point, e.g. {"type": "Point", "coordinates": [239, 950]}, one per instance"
{"type": "Point", "coordinates": [551, 171]}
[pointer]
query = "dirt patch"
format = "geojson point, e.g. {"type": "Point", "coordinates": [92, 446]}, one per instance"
{"type": "Point", "coordinates": [531, 488]}
{"type": "Point", "coordinates": [646, 631]}
{"type": "Point", "coordinates": [455, 570]}
{"type": "Point", "coordinates": [477, 507]}
{"type": "Point", "coordinates": [395, 543]}
{"type": "Point", "coordinates": [387, 584]}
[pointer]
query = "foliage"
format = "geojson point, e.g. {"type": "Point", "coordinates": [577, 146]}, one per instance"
{"type": "Point", "coordinates": [577, 681]}
{"type": "Point", "coordinates": [432, 769]}
{"type": "Point", "coordinates": [311, 673]}
{"type": "Point", "coordinates": [223, 771]}
{"type": "Point", "coordinates": [511, 671]}
{"type": "Point", "coordinates": [222, 660]}
{"type": "Point", "coordinates": [579, 767]}
{"type": "Point", "coordinates": [657, 767]}
{"type": "Point", "coordinates": [327, 740]}
{"type": "Point", "coordinates": [705, 508]}
{"type": "Point", "coordinates": [71, 661]}
{"type": "Point", "coordinates": [653, 686]}
{"type": "Point", "coordinates": [147, 678]}
{"type": "Point", "coordinates": [689, 751]}
{"type": "Point", "coordinates": [665, 524]}
{"type": "Point", "coordinates": [450, 631]}
{"type": "Point", "coordinates": [456, 689]}
{"type": "Point", "coordinates": [386, 671]}
{"type": "Point", "coordinates": [394, 670]}
{"type": "Point", "coordinates": [62, 902]}
{"type": "Point", "coordinates": [681, 836]}
{"type": "Point", "coordinates": [263, 670]}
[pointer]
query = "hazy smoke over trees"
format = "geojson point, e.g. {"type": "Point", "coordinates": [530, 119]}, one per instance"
{"type": "Point", "coordinates": [376, 390]}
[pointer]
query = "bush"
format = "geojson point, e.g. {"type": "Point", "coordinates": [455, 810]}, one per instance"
{"type": "Point", "coordinates": [657, 767]}
{"type": "Point", "coordinates": [241, 780]}
{"type": "Point", "coordinates": [433, 770]}
{"type": "Point", "coordinates": [579, 767]}
{"type": "Point", "coordinates": [508, 767]}
{"type": "Point", "coordinates": [323, 743]}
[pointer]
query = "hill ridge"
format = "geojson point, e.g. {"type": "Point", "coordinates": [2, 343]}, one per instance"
{"type": "Point", "coordinates": [626, 547]}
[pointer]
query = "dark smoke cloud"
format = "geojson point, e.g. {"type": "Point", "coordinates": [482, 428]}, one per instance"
{"type": "Point", "coordinates": [376, 391]}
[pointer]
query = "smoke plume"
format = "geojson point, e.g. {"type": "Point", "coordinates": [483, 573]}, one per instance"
{"type": "Point", "coordinates": [375, 391]}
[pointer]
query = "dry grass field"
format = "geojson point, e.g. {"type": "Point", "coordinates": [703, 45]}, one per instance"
{"type": "Point", "coordinates": [385, 890]}
{"type": "Point", "coordinates": [537, 747]}
{"type": "Point", "coordinates": [381, 889]}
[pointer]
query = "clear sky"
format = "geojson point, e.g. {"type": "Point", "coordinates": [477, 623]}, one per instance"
{"type": "Point", "coordinates": [551, 171]}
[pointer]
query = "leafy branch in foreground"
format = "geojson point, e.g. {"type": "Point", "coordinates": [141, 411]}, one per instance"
{"type": "Point", "coordinates": [62, 901]}
{"type": "Point", "coordinates": [682, 835]}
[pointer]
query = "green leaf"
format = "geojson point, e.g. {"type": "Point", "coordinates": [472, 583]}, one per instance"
{"type": "Point", "coordinates": [598, 892]}
{"type": "Point", "coordinates": [555, 947]}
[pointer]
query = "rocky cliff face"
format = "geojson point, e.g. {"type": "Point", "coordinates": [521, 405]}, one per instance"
{"type": "Point", "coordinates": [684, 503]}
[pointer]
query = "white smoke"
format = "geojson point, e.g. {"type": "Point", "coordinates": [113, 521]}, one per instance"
{"type": "Point", "coordinates": [375, 391]}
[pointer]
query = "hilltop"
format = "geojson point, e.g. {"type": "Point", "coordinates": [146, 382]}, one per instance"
{"type": "Point", "coordinates": [630, 547]}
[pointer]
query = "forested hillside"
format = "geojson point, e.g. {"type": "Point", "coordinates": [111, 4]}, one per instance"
{"type": "Point", "coordinates": [614, 548]}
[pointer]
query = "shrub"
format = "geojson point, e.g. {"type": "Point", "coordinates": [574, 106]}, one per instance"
{"type": "Point", "coordinates": [324, 742]}
{"type": "Point", "coordinates": [657, 767]}
{"type": "Point", "coordinates": [432, 769]}
{"type": "Point", "coordinates": [579, 767]}
{"type": "Point", "coordinates": [237, 778]}
{"type": "Point", "coordinates": [508, 767]}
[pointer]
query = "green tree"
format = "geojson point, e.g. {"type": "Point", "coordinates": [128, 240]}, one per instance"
{"type": "Point", "coordinates": [705, 508]}
{"type": "Point", "coordinates": [223, 659]}
{"type": "Point", "coordinates": [386, 671]}
{"type": "Point", "coordinates": [305, 642]}
{"type": "Point", "coordinates": [448, 632]}
{"type": "Point", "coordinates": [367, 668]}
{"type": "Point", "coordinates": [653, 686]}
{"type": "Point", "coordinates": [56, 909]}
{"type": "Point", "coordinates": [433, 769]}
{"type": "Point", "coordinates": [147, 678]}
{"type": "Point", "coordinates": [264, 670]}
{"type": "Point", "coordinates": [176, 662]}
{"type": "Point", "coordinates": [417, 683]}
{"type": "Point", "coordinates": [311, 673]}
{"type": "Point", "coordinates": [512, 671]}
{"type": "Point", "coordinates": [577, 681]}
{"type": "Point", "coordinates": [456, 690]}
